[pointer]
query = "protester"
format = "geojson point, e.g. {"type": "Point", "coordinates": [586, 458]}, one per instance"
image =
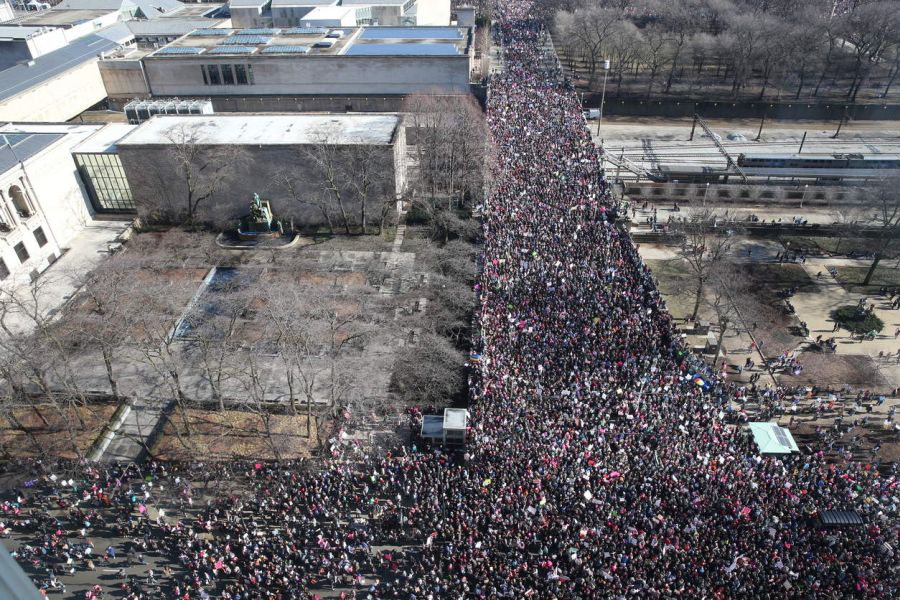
{"type": "Point", "coordinates": [603, 460]}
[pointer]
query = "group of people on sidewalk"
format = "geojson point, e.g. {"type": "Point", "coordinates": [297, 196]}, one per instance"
{"type": "Point", "coordinates": [603, 461]}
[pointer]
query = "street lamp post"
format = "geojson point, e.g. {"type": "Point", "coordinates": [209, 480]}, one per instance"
{"type": "Point", "coordinates": [603, 94]}
{"type": "Point", "coordinates": [705, 192]}
{"type": "Point", "coordinates": [803, 198]}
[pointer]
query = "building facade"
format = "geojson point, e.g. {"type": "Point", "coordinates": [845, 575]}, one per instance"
{"type": "Point", "coordinates": [39, 215]}
{"type": "Point", "coordinates": [61, 84]}
{"type": "Point", "coordinates": [293, 69]}
{"type": "Point", "coordinates": [295, 13]}
{"type": "Point", "coordinates": [283, 158]}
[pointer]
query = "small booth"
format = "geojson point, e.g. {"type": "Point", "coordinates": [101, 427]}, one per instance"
{"type": "Point", "coordinates": [772, 439]}
{"type": "Point", "coordinates": [449, 429]}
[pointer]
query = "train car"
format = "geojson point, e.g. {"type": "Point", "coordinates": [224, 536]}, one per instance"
{"type": "Point", "coordinates": [688, 174]}
{"type": "Point", "coordinates": [820, 161]}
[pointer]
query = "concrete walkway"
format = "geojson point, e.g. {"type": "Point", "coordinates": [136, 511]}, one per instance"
{"type": "Point", "coordinates": [133, 435]}
{"type": "Point", "coordinates": [59, 283]}
{"type": "Point", "coordinates": [815, 308]}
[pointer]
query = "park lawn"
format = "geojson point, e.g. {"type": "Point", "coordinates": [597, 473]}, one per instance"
{"type": "Point", "coordinates": [758, 302]}
{"type": "Point", "coordinates": [756, 297]}
{"type": "Point", "coordinates": [676, 284]}
{"type": "Point", "coordinates": [851, 278]}
{"type": "Point", "coordinates": [52, 439]}
{"type": "Point", "coordinates": [775, 277]}
{"type": "Point", "coordinates": [233, 434]}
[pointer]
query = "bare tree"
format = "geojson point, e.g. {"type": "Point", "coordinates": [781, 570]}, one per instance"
{"type": "Point", "coordinates": [723, 289]}
{"type": "Point", "coordinates": [653, 52]}
{"type": "Point", "coordinates": [203, 170]}
{"type": "Point", "coordinates": [99, 318]}
{"type": "Point", "coordinates": [329, 161]}
{"type": "Point", "coordinates": [869, 30]}
{"type": "Point", "coordinates": [590, 26]}
{"type": "Point", "coordinates": [370, 172]}
{"type": "Point", "coordinates": [431, 372]}
{"type": "Point", "coordinates": [254, 400]}
{"type": "Point", "coordinates": [803, 45]}
{"type": "Point", "coordinates": [209, 331]}
{"type": "Point", "coordinates": [884, 204]}
{"type": "Point", "coordinates": [624, 45]}
{"type": "Point", "coordinates": [292, 183]}
{"type": "Point", "coordinates": [704, 246]}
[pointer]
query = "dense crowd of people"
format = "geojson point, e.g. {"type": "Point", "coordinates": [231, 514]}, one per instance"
{"type": "Point", "coordinates": [603, 460]}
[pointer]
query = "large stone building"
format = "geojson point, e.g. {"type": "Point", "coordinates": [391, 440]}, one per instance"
{"type": "Point", "coordinates": [297, 13]}
{"type": "Point", "coordinates": [298, 69]}
{"type": "Point", "coordinates": [61, 84]}
{"type": "Point", "coordinates": [39, 214]}
{"type": "Point", "coordinates": [48, 59]}
{"type": "Point", "coordinates": [289, 160]}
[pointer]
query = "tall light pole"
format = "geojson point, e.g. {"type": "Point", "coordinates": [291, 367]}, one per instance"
{"type": "Point", "coordinates": [603, 95]}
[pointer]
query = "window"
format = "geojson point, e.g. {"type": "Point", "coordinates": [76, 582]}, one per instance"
{"type": "Point", "coordinates": [40, 237]}
{"type": "Point", "coordinates": [105, 180]}
{"type": "Point", "coordinates": [240, 74]}
{"type": "Point", "coordinates": [19, 201]}
{"type": "Point", "coordinates": [203, 71]}
{"type": "Point", "coordinates": [4, 270]}
{"type": "Point", "coordinates": [250, 74]}
{"type": "Point", "coordinates": [21, 252]}
{"type": "Point", "coordinates": [214, 78]}
{"type": "Point", "coordinates": [227, 75]}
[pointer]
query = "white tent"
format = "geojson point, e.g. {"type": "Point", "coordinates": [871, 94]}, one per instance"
{"type": "Point", "coordinates": [772, 439]}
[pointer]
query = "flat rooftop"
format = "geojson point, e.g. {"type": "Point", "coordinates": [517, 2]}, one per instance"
{"type": "Point", "coordinates": [297, 42]}
{"type": "Point", "coordinates": [62, 17]}
{"type": "Point", "coordinates": [11, 32]}
{"type": "Point", "coordinates": [105, 140]}
{"type": "Point", "coordinates": [172, 25]}
{"type": "Point", "coordinates": [267, 129]}
{"type": "Point", "coordinates": [204, 9]}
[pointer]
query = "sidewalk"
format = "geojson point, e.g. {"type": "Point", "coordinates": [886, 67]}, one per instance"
{"type": "Point", "coordinates": [58, 283]}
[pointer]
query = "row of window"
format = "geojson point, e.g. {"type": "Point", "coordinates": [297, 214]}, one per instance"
{"type": "Point", "coordinates": [22, 252]}
{"type": "Point", "coordinates": [227, 74]}
{"type": "Point", "coordinates": [106, 183]}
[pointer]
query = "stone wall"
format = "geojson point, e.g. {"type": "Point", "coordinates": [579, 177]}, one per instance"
{"type": "Point", "coordinates": [160, 191]}
{"type": "Point", "coordinates": [319, 75]}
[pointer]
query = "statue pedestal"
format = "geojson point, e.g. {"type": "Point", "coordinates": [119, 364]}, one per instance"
{"type": "Point", "coordinates": [259, 223]}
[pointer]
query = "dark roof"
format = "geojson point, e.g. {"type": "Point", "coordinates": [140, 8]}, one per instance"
{"type": "Point", "coordinates": [24, 146]}
{"type": "Point", "coordinates": [840, 518]}
{"type": "Point", "coordinates": [16, 80]}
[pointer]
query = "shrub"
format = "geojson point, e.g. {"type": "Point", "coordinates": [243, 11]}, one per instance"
{"type": "Point", "coordinates": [857, 320]}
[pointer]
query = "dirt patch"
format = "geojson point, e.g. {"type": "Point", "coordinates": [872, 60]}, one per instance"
{"type": "Point", "coordinates": [334, 278]}
{"type": "Point", "coordinates": [231, 434]}
{"type": "Point", "coordinates": [25, 434]}
{"type": "Point", "coordinates": [758, 302]}
{"type": "Point", "coordinates": [864, 440]}
{"type": "Point", "coordinates": [834, 370]}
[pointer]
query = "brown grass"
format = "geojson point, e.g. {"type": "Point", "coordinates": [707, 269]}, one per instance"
{"type": "Point", "coordinates": [53, 438]}
{"type": "Point", "coordinates": [231, 434]}
{"type": "Point", "coordinates": [835, 370]}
